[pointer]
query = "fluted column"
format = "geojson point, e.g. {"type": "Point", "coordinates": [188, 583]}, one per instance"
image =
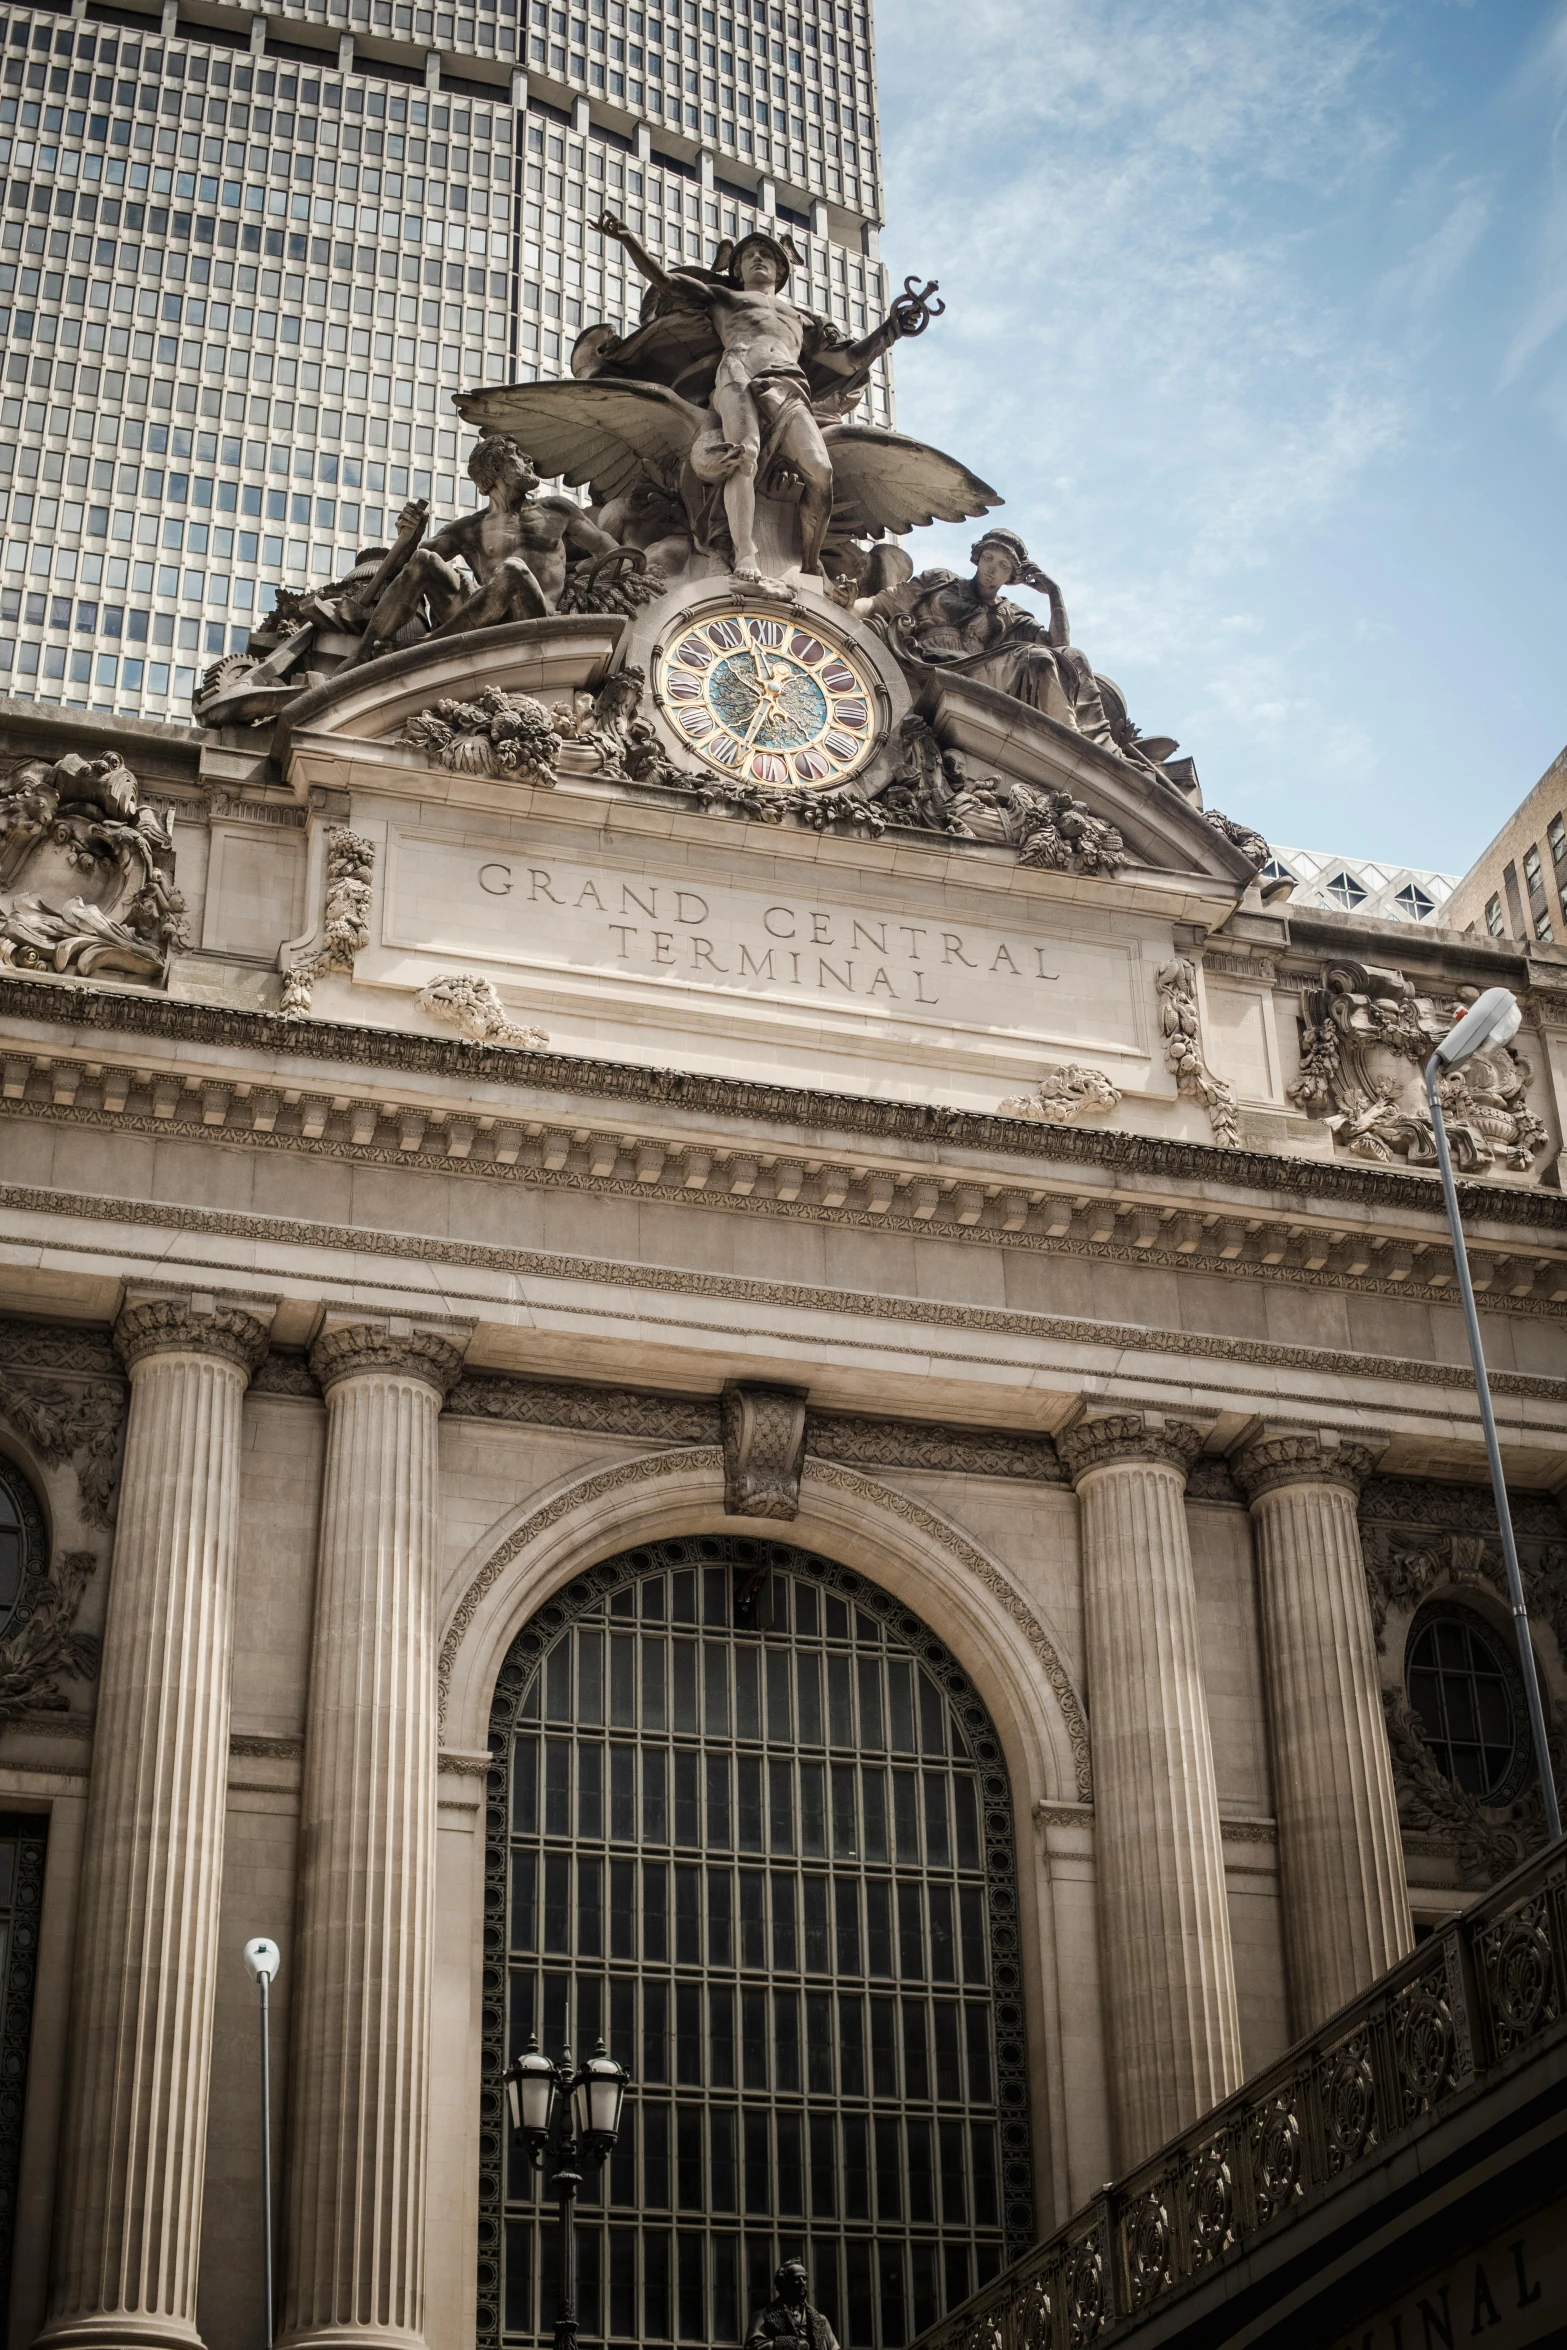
{"type": "Point", "coordinates": [1341, 1861]}
{"type": "Point", "coordinates": [1164, 1921]}
{"type": "Point", "coordinates": [359, 2106]}
{"type": "Point", "coordinates": [128, 2227]}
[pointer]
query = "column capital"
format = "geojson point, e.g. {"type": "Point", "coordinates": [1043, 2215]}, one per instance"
{"type": "Point", "coordinates": [187, 1321]}
{"type": "Point", "coordinates": [1106, 1440]}
{"type": "Point", "coordinates": [428, 1350]}
{"type": "Point", "coordinates": [1303, 1456]}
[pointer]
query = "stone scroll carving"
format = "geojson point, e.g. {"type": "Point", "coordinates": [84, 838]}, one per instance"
{"type": "Point", "coordinates": [764, 1449]}
{"type": "Point", "coordinates": [1066, 1091]}
{"type": "Point", "coordinates": [86, 873]}
{"type": "Point", "coordinates": [1365, 1037]}
{"type": "Point", "coordinates": [350, 862]}
{"type": "Point", "coordinates": [474, 1006]}
{"type": "Point", "coordinates": [1183, 1052]}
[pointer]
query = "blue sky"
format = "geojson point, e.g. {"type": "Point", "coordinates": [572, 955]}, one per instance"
{"type": "Point", "coordinates": [1257, 318]}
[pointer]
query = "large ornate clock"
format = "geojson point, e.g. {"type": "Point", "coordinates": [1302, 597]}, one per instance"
{"type": "Point", "coordinates": [768, 701]}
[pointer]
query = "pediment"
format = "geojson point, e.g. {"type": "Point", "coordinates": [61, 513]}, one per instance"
{"type": "Point", "coordinates": [1001, 736]}
{"type": "Point", "coordinates": [372, 703]}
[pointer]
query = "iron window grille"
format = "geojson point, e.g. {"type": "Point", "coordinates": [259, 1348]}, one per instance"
{"type": "Point", "coordinates": [750, 1821]}
{"type": "Point", "coordinates": [1469, 1696]}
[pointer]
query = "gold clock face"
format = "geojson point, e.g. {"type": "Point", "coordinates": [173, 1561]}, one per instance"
{"type": "Point", "coordinates": [768, 701]}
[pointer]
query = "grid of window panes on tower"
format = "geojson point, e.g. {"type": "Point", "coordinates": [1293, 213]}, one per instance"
{"type": "Point", "coordinates": [239, 282]}
{"type": "Point", "coordinates": [757, 1835]}
{"type": "Point", "coordinates": [236, 292]}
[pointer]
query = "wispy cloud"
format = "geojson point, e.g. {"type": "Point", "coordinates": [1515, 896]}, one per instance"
{"type": "Point", "coordinates": [1162, 345]}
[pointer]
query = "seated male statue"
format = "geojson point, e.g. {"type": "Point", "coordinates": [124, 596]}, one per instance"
{"type": "Point", "coordinates": [789, 2320]}
{"type": "Point", "coordinates": [516, 546]}
{"type": "Point", "coordinates": [968, 625]}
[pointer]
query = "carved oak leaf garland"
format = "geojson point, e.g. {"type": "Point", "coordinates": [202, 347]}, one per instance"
{"type": "Point", "coordinates": [350, 861]}
{"type": "Point", "coordinates": [48, 1648]}
{"type": "Point", "coordinates": [62, 1423]}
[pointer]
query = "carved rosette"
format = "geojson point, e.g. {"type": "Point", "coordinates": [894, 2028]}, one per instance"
{"type": "Point", "coordinates": [1106, 1440]}
{"type": "Point", "coordinates": [764, 1449]}
{"type": "Point", "coordinates": [166, 1325]}
{"type": "Point", "coordinates": [1301, 1457]}
{"type": "Point", "coordinates": [368, 1347]}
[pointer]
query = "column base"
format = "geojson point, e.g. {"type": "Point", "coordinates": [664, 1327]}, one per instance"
{"type": "Point", "coordinates": [349, 2337]}
{"type": "Point", "coordinates": [119, 2329]}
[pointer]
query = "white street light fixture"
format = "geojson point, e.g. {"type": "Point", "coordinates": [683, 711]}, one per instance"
{"type": "Point", "coordinates": [1493, 1020]}
{"type": "Point", "coordinates": [585, 2101]}
{"type": "Point", "coordinates": [532, 2082]}
{"type": "Point", "coordinates": [263, 1958]}
{"type": "Point", "coordinates": [597, 2094]}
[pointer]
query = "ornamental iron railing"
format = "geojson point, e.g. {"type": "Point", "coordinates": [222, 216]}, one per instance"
{"type": "Point", "coordinates": [1464, 2005]}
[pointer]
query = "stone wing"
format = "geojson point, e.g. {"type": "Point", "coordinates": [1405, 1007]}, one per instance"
{"type": "Point", "coordinates": [883, 482]}
{"type": "Point", "coordinates": [606, 434]}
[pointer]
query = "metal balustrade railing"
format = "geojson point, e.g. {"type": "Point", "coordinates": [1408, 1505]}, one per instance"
{"type": "Point", "coordinates": [1463, 2006]}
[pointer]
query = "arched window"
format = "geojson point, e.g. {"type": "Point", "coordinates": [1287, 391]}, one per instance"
{"type": "Point", "coordinates": [751, 1823]}
{"type": "Point", "coordinates": [24, 1547]}
{"type": "Point", "coordinates": [1469, 1695]}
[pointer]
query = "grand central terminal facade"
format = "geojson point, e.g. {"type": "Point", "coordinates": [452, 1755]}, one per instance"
{"type": "Point", "coordinates": [718, 1335]}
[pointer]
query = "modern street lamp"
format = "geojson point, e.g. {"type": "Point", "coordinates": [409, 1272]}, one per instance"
{"type": "Point", "coordinates": [583, 2108]}
{"type": "Point", "coordinates": [263, 1958]}
{"type": "Point", "coordinates": [1494, 1019]}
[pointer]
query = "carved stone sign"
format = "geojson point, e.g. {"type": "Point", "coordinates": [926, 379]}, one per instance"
{"type": "Point", "coordinates": [547, 913]}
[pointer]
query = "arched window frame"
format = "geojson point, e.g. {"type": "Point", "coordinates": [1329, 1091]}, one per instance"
{"type": "Point", "coordinates": [587, 1593]}
{"type": "Point", "coordinates": [35, 1545]}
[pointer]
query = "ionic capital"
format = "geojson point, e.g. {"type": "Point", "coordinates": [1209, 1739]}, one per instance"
{"type": "Point", "coordinates": [390, 1343]}
{"type": "Point", "coordinates": [154, 1322]}
{"type": "Point", "coordinates": [1108, 1440]}
{"type": "Point", "coordinates": [1302, 1456]}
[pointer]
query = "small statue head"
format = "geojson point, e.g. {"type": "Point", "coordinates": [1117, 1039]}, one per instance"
{"type": "Point", "coordinates": [792, 2284]}
{"type": "Point", "coordinates": [999, 558]}
{"type": "Point", "coordinates": [499, 469]}
{"type": "Point", "coordinates": [760, 263]}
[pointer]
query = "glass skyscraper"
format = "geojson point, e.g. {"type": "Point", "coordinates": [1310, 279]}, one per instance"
{"type": "Point", "coordinates": [246, 258]}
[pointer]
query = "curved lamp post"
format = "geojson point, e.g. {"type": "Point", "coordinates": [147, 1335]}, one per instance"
{"type": "Point", "coordinates": [586, 2105]}
{"type": "Point", "coordinates": [1494, 1019]}
{"type": "Point", "coordinates": [263, 1958]}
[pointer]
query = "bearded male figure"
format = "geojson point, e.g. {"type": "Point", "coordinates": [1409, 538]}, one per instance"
{"type": "Point", "coordinates": [789, 2322]}
{"type": "Point", "coordinates": [516, 547]}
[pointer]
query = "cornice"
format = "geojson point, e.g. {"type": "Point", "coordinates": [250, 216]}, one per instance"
{"type": "Point", "coordinates": [367, 1347]}
{"type": "Point", "coordinates": [1113, 1440]}
{"type": "Point", "coordinates": [471, 1064]}
{"type": "Point", "coordinates": [162, 1325]}
{"type": "Point", "coordinates": [1274, 1463]}
{"type": "Point", "coordinates": [924, 1198]}
{"type": "Point", "coordinates": [413, 1249]}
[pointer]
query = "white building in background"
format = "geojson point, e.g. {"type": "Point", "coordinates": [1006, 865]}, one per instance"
{"type": "Point", "coordinates": [245, 261]}
{"type": "Point", "coordinates": [1358, 885]}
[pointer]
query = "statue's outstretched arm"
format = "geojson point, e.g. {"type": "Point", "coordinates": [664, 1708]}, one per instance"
{"type": "Point", "coordinates": [610, 224]}
{"type": "Point", "coordinates": [911, 313]}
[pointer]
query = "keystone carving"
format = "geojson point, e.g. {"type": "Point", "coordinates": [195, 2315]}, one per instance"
{"type": "Point", "coordinates": [1365, 1037]}
{"type": "Point", "coordinates": [47, 1648]}
{"type": "Point", "coordinates": [1066, 1090]}
{"type": "Point", "coordinates": [474, 1006]}
{"type": "Point", "coordinates": [764, 1449]}
{"type": "Point", "coordinates": [86, 873]}
{"type": "Point", "coordinates": [350, 861]}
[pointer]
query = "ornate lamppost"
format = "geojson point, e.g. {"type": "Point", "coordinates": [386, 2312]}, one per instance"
{"type": "Point", "coordinates": [586, 2104]}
